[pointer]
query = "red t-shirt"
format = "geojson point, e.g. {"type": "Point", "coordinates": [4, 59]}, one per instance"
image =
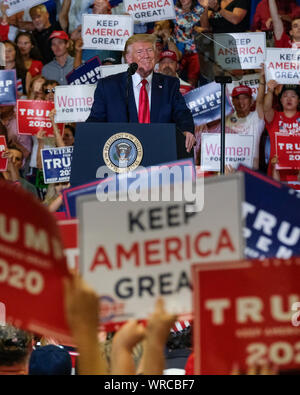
{"type": "Point", "coordinates": [285, 41]}
{"type": "Point", "coordinates": [282, 124]}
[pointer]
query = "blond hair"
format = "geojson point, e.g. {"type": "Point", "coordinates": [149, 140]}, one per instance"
{"type": "Point", "coordinates": [145, 38]}
{"type": "Point", "coordinates": [34, 10]}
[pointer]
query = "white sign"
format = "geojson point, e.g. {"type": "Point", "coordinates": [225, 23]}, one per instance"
{"type": "Point", "coordinates": [238, 151]}
{"type": "Point", "coordinates": [240, 50]}
{"type": "Point", "coordinates": [251, 80]}
{"type": "Point", "coordinates": [113, 69]}
{"type": "Point", "coordinates": [102, 31]}
{"type": "Point", "coordinates": [150, 11]}
{"type": "Point", "coordinates": [73, 103]}
{"type": "Point", "coordinates": [20, 5]}
{"type": "Point", "coordinates": [133, 252]}
{"type": "Point", "coordinates": [283, 65]}
{"type": "Point", "coordinates": [2, 54]}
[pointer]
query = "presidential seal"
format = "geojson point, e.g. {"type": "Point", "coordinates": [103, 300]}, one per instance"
{"type": "Point", "coordinates": [122, 152]}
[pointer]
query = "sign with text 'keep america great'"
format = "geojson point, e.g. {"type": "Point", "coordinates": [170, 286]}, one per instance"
{"type": "Point", "coordinates": [150, 11]}
{"type": "Point", "coordinates": [240, 50]}
{"type": "Point", "coordinates": [106, 31]}
{"type": "Point", "coordinates": [135, 251]}
{"type": "Point", "coordinates": [283, 65]}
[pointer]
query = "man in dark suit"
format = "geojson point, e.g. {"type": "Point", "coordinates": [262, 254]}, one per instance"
{"type": "Point", "coordinates": [151, 97]}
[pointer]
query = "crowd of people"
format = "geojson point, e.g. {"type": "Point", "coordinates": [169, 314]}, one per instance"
{"type": "Point", "coordinates": [44, 44]}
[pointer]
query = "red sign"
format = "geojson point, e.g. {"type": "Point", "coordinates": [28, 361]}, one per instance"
{"type": "Point", "coordinates": [245, 315]}
{"type": "Point", "coordinates": [288, 151]}
{"type": "Point", "coordinates": [69, 234]}
{"type": "Point", "coordinates": [32, 265]}
{"type": "Point", "coordinates": [33, 115]}
{"type": "Point", "coordinates": [3, 147]}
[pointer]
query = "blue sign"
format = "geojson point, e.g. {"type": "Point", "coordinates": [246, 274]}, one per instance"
{"type": "Point", "coordinates": [8, 94]}
{"type": "Point", "coordinates": [87, 73]}
{"type": "Point", "coordinates": [57, 164]}
{"type": "Point", "coordinates": [272, 217]}
{"type": "Point", "coordinates": [71, 194]}
{"type": "Point", "coordinates": [205, 103]}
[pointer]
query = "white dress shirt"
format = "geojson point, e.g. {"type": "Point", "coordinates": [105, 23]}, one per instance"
{"type": "Point", "coordinates": [137, 84]}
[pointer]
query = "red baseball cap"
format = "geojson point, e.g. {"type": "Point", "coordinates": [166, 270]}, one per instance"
{"type": "Point", "coordinates": [241, 90]}
{"type": "Point", "coordinates": [59, 34]}
{"type": "Point", "coordinates": [168, 54]}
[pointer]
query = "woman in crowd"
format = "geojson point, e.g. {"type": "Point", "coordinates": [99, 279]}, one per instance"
{"type": "Point", "coordinates": [284, 122]}
{"type": "Point", "coordinates": [190, 15]}
{"type": "Point", "coordinates": [30, 53]}
{"type": "Point", "coordinates": [14, 60]}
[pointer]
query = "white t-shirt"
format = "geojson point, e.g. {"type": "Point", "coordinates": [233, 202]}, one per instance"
{"type": "Point", "coordinates": [251, 125]}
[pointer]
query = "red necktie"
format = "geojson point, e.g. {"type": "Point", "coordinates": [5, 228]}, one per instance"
{"type": "Point", "coordinates": [144, 111]}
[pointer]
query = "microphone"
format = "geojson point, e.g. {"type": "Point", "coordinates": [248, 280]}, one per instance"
{"type": "Point", "coordinates": [132, 68]}
{"type": "Point", "coordinates": [130, 71]}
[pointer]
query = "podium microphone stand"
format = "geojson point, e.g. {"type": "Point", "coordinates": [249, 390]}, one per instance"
{"type": "Point", "coordinates": [223, 80]}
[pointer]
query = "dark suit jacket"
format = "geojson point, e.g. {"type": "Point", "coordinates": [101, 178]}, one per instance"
{"type": "Point", "coordinates": [167, 103]}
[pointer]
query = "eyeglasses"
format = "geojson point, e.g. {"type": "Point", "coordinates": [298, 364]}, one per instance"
{"type": "Point", "coordinates": [46, 91]}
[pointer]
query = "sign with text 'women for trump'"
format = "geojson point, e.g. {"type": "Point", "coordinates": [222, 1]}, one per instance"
{"type": "Point", "coordinates": [109, 32]}
{"type": "Point", "coordinates": [150, 11]}
{"type": "Point", "coordinates": [283, 65]}
{"type": "Point", "coordinates": [238, 151]}
{"type": "Point", "coordinates": [33, 115]}
{"type": "Point", "coordinates": [32, 265]}
{"type": "Point", "coordinates": [254, 305]}
{"type": "Point", "coordinates": [73, 103]}
{"type": "Point", "coordinates": [15, 6]}
{"type": "Point", "coordinates": [244, 51]}
{"type": "Point", "coordinates": [135, 251]}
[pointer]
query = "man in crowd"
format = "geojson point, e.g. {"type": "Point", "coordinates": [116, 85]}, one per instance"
{"type": "Point", "coordinates": [164, 30]}
{"type": "Point", "coordinates": [152, 97]}
{"type": "Point", "coordinates": [244, 121]}
{"type": "Point", "coordinates": [168, 65]}
{"type": "Point", "coordinates": [283, 40]}
{"type": "Point", "coordinates": [15, 350]}
{"type": "Point", "coordinates": [63, 63]}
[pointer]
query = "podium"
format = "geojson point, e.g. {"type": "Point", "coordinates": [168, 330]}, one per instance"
{"type": "Point", "coordinates": [97, 144]}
